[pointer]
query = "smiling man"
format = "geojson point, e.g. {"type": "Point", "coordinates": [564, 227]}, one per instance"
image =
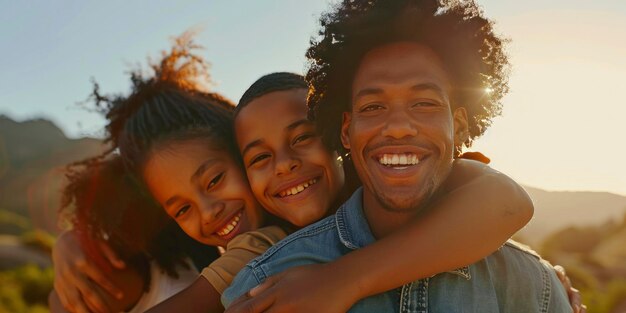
{"type": "Point", "coordinates": [400, 85]}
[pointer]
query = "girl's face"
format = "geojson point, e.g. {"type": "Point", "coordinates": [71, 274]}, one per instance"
{"type": "Point", "coordinates": [203, 189]}
{"type": "Point", "coordinates": [290, 171]}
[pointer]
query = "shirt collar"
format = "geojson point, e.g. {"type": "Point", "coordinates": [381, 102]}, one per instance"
{"type": "Point", "coordinates": [354, 230]}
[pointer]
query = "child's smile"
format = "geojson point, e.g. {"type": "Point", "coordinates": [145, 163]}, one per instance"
{"type": "Point", "coordinates": [290, 171]}
{"type": "Point", "coordinates": [203, 190]}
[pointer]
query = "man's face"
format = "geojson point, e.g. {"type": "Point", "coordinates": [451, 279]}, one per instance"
{"type": "Point", "coordinates": [401, 130]}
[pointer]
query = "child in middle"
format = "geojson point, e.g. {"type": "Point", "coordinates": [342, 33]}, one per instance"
{"type": "Point", "coordinates": [294, 177]}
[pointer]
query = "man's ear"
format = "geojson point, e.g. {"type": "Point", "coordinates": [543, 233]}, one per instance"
{"type": "Point", "coordinates": [345, 130]}
{"type": "Point", "coordinates": [461, 127]}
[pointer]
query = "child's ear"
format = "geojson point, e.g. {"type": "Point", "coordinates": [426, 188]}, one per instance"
{"type": "Point", "coordinates": [345, 130]}
{"type": "Point", "coordinates": [461, 128]}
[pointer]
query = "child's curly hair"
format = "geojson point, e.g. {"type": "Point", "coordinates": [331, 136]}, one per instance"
{"type": "Point", "coordinates": [171, 102]}
{"type": "Point", "coordinates": [455, 30]}
{"type": "Point", "coordinates": [103, 202]}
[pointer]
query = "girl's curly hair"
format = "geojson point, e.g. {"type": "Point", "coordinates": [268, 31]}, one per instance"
{"type": "Point", "coordinates": [456, 30]}
{"type": "Point", "coordinates": [103, 202]}
{"type": "Point", "coordinates": [171, 102]}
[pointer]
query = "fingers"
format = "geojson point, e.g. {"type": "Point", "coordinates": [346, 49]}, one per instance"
{"type": "Point", "coordinates": [95, 274]}
{"type": "Point", "coordinates": [583, 309]}
{"type": "Point", "coordinates": [573, 294]}
{"type": "Point", "coordinates": [77, 293]}
{"type": "Point", "coordinates": [111, 256]}
{"type": "Point", "coordinates": [576, 300]}
{"type": "Point", "coordinates": [262, 287]}
{"type": "Point", "coordinates": [72, 302]}
{"type": "Point", "coordinates": [86, 295]}
{"type": "Point", "coordinates": [62, 295]}
{"type": "Point", "coordinates": [247, 304]}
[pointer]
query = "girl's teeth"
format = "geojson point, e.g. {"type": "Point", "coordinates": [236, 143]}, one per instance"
{"type": "Point", "coordinates": [228, 228]}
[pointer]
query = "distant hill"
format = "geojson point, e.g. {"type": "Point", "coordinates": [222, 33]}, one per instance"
{"type": "Point", "coordinates": [32, 156]}
{"type": "Point", "coordinates": [33, 153]}
{"type": "Point", "coordinates": [556, 210]}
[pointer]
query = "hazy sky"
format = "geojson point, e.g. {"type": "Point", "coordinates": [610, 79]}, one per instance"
{"type": "Point", "coordinates": [562, 126]}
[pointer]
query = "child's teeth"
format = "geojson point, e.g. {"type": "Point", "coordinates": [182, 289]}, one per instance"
{"type": "Point", "coordinates": [297, 189]}
{"type": "Point", "coordinates": [228, 228]}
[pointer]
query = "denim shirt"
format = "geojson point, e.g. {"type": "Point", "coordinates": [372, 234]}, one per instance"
{"type": "Point", "coordinates": [511, 279]}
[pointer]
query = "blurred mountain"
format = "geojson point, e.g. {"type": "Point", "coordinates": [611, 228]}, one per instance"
{"type": "Point", "coordinates": [557, 210]}
{"type": "Point", "coordinates": [32, 156]}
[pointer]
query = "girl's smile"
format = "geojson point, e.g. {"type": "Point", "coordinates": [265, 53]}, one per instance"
{"type": "Point", "coordinates": [203, 189]}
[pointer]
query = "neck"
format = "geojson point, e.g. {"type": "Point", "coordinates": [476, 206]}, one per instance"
{"type": "Point", "coordinates": [382, 221]}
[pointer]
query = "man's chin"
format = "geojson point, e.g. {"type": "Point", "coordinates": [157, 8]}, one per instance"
{"type": "Point", "coordinates": [401, 202]}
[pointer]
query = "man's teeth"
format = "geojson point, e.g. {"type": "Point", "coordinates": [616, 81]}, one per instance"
{"type": "Point", "coordinates": [230, 226]}
{"type": "Point", "coordinates": [297, 189]}
{"type": "Point", "coordinates": [398, 159]}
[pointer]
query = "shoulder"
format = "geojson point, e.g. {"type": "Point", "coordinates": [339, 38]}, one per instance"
{"type": "Point", "coordinates": [299, 248]}
{"type": "Point", "coordinates": [258, 240]}
{"type": "Point", "coordinates": [521, 271]}
{"type": "Point", "coordinates": [317, 233]}
{"type": "Point", "coordinates": [524, 249]}
{"type": "Point", "coordinates": [516, 258]}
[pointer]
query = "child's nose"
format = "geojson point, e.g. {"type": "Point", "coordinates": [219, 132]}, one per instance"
{"type": "Point", "coordinates": [211, 211]}
{"type": "Point", "coordinates": [286, 163]}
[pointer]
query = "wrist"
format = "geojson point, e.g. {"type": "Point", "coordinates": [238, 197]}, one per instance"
{"type": "Point", "coordinates": [348, 282]}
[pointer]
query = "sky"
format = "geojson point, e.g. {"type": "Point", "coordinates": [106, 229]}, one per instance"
{"type": "Point", "coordinates": [562, 125]}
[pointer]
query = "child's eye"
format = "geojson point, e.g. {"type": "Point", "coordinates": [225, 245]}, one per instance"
{"type": "Point", "coordinates": [371, 107]}
{"type": "Point", "coordinates": [215, 180]}
{"type": "Point", "coordinates": [258, 158]}
{"type": "Point", "coordinates": [303, 137]}
{"type": "Point", "coordinates": [182, 211]}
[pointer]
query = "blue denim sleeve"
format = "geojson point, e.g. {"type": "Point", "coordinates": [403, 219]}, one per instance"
{"type": "Point", "coordinates": [244, 281]}
{"type": "Point", "coordinates": [559, 301]}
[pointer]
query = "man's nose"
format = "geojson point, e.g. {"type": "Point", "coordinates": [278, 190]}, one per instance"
{"type": "Point", "coordinates": [399, 125]}
{"type": "Point", "coordinates": [286, 162]}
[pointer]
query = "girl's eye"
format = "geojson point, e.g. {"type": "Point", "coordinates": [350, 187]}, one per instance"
{"type": "Point", "coordinates": [371, 107]}
{"type": "Point", "coordinates": [303, 137]}
{"type": "Point", "coordinates": [182, 211]}
{"type": "Point", "coordinates": [215, 180]}
{"type": "Point", "coordinates": [258, 159]}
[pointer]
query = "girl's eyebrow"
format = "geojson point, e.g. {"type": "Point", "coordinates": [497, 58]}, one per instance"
{"type": "Point", "coordinates": [196, 175]}
{"type": "Point", "coordinates": [297, 123]}
{"type": "Point", "coordinates": [171, 201]}
{"type": "Point", "coordinates": [202, 169]}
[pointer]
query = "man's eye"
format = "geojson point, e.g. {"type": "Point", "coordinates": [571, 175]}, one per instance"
{"type": "Point", "coordinates": [215, 180]}
{"type": "Point", "coordinates": [258, 158]}
{"type": "Point", "coordinates": [182, 211]}
{"type": "Point", "coordinates": [303, 137]}
{"type": "Point", "coordinates": [425, 104]}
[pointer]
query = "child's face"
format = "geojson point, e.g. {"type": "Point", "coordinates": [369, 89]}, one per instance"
{"type": "Point", "coordinates": [203, 189]}
{"type": "Point", "coordinates": [290, 171]}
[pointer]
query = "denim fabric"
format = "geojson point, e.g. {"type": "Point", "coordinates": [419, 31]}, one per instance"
{"type": "Point", "coordinates": [511, 279]}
